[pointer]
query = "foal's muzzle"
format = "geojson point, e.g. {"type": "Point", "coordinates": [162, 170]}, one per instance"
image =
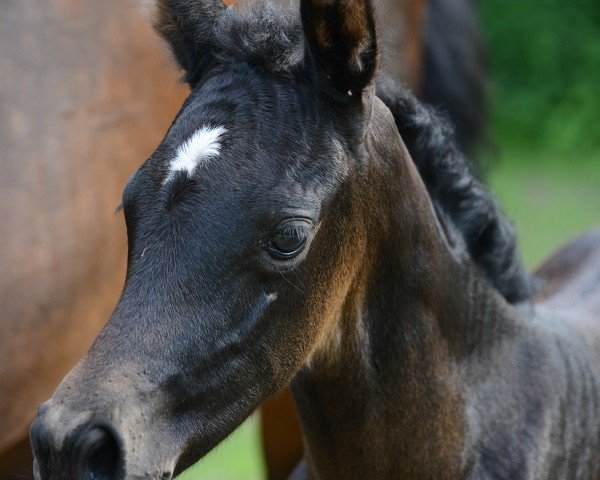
{"type": "Point", "coordinates": [93, 452]}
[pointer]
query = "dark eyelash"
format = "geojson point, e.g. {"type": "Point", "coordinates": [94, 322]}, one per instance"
{"type": "Point", "coordinates": [291, 231]}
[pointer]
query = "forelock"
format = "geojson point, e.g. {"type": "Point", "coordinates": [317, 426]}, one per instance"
{"type": "Point", "coordinates": [264, 34]}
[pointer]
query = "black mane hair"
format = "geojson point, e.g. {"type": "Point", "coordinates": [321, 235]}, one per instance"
{"type": "Point", "coordinates": [454, 186]}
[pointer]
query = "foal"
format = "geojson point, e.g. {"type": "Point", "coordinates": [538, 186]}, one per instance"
{"type": "Point", "coordinates": [282, 233]}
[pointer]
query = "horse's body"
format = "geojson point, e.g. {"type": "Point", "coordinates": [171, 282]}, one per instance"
{"type": "Point", "coordinates": [569, 286]}
{"type": "Point", "coordinates": [84, 97]}
{"type": "Point", "coordinates": [386, 287]}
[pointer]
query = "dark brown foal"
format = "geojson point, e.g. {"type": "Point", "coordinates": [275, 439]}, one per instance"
{"type": "Point", "coordinates": [283, 234]}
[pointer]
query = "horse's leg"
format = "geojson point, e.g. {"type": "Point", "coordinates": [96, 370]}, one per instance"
{"type": "Point", "coordinates": [17, 461]}
{"type": "Point", "coordinates": [416, 15]}
{"type": "Point", "coordinates": [281, 437]}
{"type": "Point", "coordinates": [402, 34]}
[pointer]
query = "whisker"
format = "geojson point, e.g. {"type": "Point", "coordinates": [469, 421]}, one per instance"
{"type": "Point", "coordinates": [22, 473]}
{"type": "Point", "coordinates": [292, 284]}
{"type": "Point", "coordinates": [298, 278]}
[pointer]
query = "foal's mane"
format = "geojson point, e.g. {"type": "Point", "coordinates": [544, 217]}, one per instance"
{"type": "Point", "coordinates": [454, 187]}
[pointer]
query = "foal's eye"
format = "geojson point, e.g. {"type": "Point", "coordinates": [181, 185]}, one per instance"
{"type": "Point", "coordinates": [287, 241]}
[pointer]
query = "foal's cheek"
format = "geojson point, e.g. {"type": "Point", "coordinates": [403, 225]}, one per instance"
{"type": "Point", "coordinates": [311, 314]}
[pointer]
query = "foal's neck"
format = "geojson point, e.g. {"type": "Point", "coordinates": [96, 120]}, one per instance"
{"type": "Point", "coordinates": [380, 397]}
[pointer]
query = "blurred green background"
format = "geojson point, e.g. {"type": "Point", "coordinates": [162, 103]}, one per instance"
{"type": "Point", "coordinates": [544, 60]}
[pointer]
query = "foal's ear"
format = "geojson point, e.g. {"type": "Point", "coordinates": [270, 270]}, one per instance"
{"type": "Point", "coordinates": [342, 39]}
{"type": "Point", "coordinates": [187, 26]}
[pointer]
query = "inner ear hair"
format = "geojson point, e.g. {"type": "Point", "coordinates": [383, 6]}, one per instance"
{"type": "Point", "coordinates": [187, 27]}
{"type": "Point", "coordinates": [342, 39]}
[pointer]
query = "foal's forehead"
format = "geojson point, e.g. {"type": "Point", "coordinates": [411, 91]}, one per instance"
{"type": "Point", "coordinates": [242, 118]}
{"type": "Point", "coordinates": [247, 132]}
{"type": "Point", "coordinates": [215, 119]}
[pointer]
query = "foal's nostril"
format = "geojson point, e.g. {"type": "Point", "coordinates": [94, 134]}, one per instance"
{"type": "Point", "coordinates": [98, 455]}
{"type": "Point", "coordinates": [41, 450]}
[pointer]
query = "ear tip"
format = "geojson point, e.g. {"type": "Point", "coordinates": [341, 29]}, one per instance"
{"type": "Point", "coordinates": [342, 38]}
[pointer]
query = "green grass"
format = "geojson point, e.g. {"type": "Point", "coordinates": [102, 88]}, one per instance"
{"type": "Point", "coordinates": [237, 458]}
{"type": "Point", "coordinates": [550, 199]}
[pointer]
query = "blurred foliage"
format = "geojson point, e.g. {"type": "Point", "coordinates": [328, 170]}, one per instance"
{"type": "Point", "coordinates": [544, 59]}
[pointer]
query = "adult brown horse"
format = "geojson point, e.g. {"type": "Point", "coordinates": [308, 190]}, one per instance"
{"type": "Point", "coordinates": [84, 96]}
{"type": "Point", "coordinates": [77, 115]}
{"type": "Point", "coordinates": [282, 232]}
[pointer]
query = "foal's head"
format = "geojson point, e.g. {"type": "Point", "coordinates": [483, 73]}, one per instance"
{"type": "Point", "coordinates": [246, 229]}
